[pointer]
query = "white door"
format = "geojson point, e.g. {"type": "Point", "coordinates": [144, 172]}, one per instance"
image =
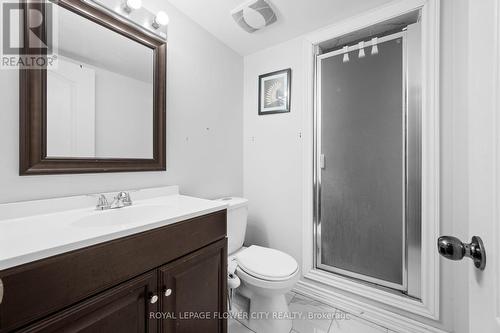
{"type": "Point", "coordinates": [476, 189]}
{"type": "Point", "coordinates": [484, 162]}
{"type": "Point", "coordinates": [70, 110]}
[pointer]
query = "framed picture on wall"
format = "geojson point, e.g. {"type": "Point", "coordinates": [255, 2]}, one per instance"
{"type": "Point", "coordinates": [274, 92]}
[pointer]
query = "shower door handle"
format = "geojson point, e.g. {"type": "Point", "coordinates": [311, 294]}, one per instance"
{"type": "Point", "coordinates": [454, 249]}
{"type": "Point", "coordinates": [322, 161]}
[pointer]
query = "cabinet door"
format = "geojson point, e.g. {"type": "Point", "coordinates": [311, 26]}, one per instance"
{"type": "Point", "coordinates": [124, 309]}
{"type": "Point", "coordinates": [193, 291]}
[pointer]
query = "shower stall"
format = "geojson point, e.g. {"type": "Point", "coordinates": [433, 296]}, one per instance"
{"type": "Point", "coordinates": [367, 184]}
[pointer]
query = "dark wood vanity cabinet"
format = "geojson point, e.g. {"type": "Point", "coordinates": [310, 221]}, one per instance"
{"type": "Point", "coordinates": [123, 309]}
{"type": "Point", "coordinates": [170, 279]}
{"type": "Point", "coordinates": [196, 288]}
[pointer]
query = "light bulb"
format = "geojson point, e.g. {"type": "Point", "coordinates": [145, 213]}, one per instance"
{"type": "Point", "coordinates": [161, 19]}
{"type": "Point", "coordinates": [374, 46]}
{"type": "Point", "coordinates": [361, 53]}
{"type": "Point", "coordinates": [134, 4]}
{"type": "Point", "coordinates": [346, 55]}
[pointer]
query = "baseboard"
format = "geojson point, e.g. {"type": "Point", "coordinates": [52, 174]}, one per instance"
{"type": "Point", "coordinates": [387, 319]}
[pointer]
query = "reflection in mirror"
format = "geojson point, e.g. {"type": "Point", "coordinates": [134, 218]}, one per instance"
{"type": "Point", "coordinates": [100, 96]}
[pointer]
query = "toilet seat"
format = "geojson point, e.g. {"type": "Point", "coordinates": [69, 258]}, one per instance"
{"type": "Point", "coordinates": [266, 264]}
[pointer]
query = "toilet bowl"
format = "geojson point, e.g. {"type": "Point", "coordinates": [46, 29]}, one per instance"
{"type": "Point", "coordinates": [266, 274]}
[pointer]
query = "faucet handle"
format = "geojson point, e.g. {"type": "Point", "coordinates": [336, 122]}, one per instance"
{"type": "Point", "coordinates": [121, 195]}
{"type": "Point", "coordinates": [127, 201]}
{"type": "Point", "coordinates": [124, 198]}
{"type": "Point", "coordinates": [102, 202]}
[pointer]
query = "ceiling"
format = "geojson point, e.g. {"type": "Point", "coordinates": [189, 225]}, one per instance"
{"type": "Point", "coordinates": [295, 17]}
{"type": "Point", "coordinates": [84, 41]}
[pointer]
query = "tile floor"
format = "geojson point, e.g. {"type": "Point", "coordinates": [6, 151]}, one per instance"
{"type": "Point", "coordinates": [314, 317]}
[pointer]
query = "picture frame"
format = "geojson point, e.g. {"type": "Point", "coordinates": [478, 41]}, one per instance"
{"type": "Point", "coordinates": [275, 92]}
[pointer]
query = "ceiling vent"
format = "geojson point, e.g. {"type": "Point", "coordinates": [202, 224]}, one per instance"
{"type": "Point", "coordinates": [254, 15]}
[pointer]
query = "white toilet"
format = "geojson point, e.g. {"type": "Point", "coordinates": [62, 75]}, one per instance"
{"type": "Point", "coordinates": [266, 274]}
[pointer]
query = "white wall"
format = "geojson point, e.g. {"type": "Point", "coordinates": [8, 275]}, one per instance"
{"type": "Point", "coordinates": [123, 116]}
{"type": "Point", "coordinates": [109, 115]}
{"type": "Point", "coordinates": [273, 175]}
{"type": "Point", "coordinates": [272, 147]}
{"type": "Point", "coordinates": [204, 125]}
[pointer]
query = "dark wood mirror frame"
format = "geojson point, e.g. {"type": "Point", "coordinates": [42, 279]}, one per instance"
{"type": "Point", "coordinates": [33, 103]}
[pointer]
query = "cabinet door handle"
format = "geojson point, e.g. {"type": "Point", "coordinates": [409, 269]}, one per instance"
{"type": "Point", "coordinates": [167, 292]}
{"type": "Point", "coordinates": [153, 299]}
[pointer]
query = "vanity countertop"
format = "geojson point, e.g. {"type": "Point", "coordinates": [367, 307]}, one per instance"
{"type": "Point", "coordinates": [29, 238]}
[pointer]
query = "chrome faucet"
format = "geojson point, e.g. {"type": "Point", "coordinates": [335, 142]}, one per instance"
{"type": "Point", "coordinates": [121, 200]}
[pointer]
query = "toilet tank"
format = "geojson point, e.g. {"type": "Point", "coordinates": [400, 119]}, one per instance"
{"type": "Point", "coordinates": [237, 213]}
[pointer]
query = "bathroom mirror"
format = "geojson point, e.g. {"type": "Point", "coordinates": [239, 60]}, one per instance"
{"type": "Point", "coordinates": [101, 108]}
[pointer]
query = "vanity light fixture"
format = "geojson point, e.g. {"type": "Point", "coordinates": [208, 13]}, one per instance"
{"type": "Point", "coordinates": [160, 19]}
{"type": "Point", "coordinates": [346, 54]}
{"type": "Point", "coordinates": [361, 46]}
{"type": "Point", "coordinates": [374, 45]}
{"type": "Point", "coordinates": [130, 5]}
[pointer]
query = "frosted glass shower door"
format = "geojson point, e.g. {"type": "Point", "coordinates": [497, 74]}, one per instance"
{"type": "Point", "coordinates": [361, 227]}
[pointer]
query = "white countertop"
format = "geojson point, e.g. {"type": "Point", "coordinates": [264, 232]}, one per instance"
{"type": "Point", "coordinates": [29, 238]}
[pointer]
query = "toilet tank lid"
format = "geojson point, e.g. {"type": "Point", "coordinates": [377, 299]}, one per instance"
{"type": "Point", "coordinates": [234, 202]}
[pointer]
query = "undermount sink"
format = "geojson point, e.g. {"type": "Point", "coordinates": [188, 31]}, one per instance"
{"type": "Point", "coordinates": [123, 216]}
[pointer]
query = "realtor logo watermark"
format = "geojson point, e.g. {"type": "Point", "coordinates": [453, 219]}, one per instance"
{"type": "Point", "coordinates": [28, 36]}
